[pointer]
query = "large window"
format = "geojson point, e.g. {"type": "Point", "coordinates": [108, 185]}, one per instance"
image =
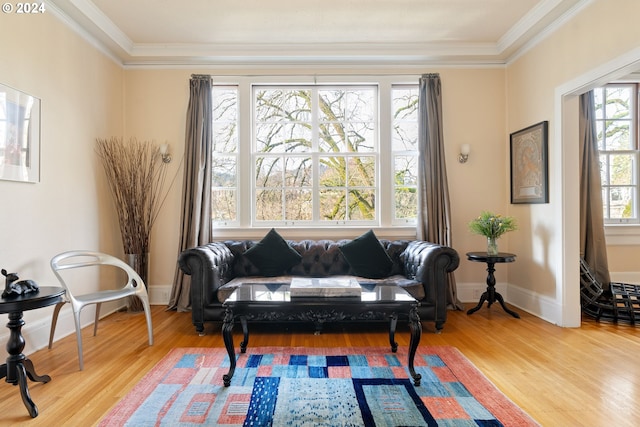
{"type": "Point", "coordinates": [315, 155]}
{"type": "Point", "coordinates": [616, 126]}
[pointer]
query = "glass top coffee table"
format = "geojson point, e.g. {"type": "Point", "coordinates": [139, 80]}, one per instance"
{"type": "Point", "coordinates": [273, 302]}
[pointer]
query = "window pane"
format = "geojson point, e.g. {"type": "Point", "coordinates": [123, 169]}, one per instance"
{"type": "Point", "coordinates": [621, 169]}
{"type": "Point", "coordinates": [299, 205]}
{"type": "Point", "coordinates": [283, 137]}
{"type": "Point", "coordinates": [406, 170]}
{"type": "Point", "coordinates": [346, 105]}
{"type": "Point", "coordinates": [298, 172]}
{"type": "Point", "coordinates": [223, 205]}
{"type": "Point", "coordinates": [225, 107]}
{"type": "Point", "coordinates": [621, 202]}
{"type": "Point", "coordinates": [405, 103]}
{"type": "Point", "coordinates": [225, 173]}
{"type": "Point", "coordinates": [618, 102]}
{"type": "Point", "coordinates": [269, 205]}
{"type": "Point", "coordinates": [333, 171]}
{"type": "Point", "coordinates": [350, 137]}
{"type": "Point", "coordinates": [333, 205]}
{"type": "Point", "coordinates": [404, 140]}
{"type": "Point", "coordinates": [405, 136]}
{"type": "Point", "coordinates": [276, 105]}
{"type": "Point", "coordinates": [361, 205]}
{"type": "Point", "coordinates": [406, 199]}
{"type": "Point", "coordinates": [361, 171]}
{"type": "Point", "coordinates": [617, 134]}
{"type": "Point", "coordinates": [268, 172]}
{"type": "Point", "coordinates": [224, 153]}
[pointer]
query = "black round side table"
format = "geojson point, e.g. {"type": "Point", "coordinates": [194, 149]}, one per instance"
{"type": "Point", "coordinates": [490, 295]}
{"type": "Point", "coordinates": [18, 367]}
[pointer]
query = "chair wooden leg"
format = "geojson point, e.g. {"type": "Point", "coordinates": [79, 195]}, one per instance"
{"type": "Point", "coordinates": [54, 321]}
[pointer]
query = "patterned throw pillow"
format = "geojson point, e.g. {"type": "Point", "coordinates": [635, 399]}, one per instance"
{"type": "Point", "coordinates": [272, 255]}
{"type": "Point", "coordinates": [367, 257]}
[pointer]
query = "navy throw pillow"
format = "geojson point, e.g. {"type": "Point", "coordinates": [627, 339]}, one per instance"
{"type": "Point", "coordinates": [272, 255]}
{"type": "Point", "coordinates": [367, 257]}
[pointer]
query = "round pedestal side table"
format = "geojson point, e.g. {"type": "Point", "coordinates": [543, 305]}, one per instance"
{"type": "Point", "coordinates": [490, 295]}
{"type": "Point", "coordinates": [18, 367]}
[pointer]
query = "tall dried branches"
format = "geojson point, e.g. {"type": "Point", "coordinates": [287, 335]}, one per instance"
{"type": "Point", "coordinates": [136, 177]}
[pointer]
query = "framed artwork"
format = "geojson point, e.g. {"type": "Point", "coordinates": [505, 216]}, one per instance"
{"type": "Point", "coordinates": [529, 164]}
{"type": "Point", "coordinates": [19, 136]}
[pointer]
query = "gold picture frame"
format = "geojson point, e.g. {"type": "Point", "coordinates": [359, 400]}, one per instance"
{"type": "Point", "coordinates": [529, 164]}
{"type": "Point", "coordinates": [19, 136]}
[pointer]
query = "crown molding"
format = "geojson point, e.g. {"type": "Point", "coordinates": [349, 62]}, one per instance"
{"type": "Point", "coordinates": [87, 20]}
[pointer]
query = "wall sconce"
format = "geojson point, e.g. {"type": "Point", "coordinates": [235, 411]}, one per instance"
{"type": "Point", "coordinates": [464, 153]}
{"type": "Point", "coordinates": [164, 152]}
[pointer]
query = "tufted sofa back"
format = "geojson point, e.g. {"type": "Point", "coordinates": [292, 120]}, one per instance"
{"type": "Point", "coordinates": [320, 258]}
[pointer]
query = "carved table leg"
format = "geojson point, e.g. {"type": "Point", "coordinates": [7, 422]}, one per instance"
{"type": "Point", "coordinates": [227, 335]}
{"type": "Point", "coordinates": [504, 307]}
{"type": "Point", "coordinates": [483, 298]}
{"type": "Point", "coordinates": [416, 334]}
{"type": "Point", "coordinates": [31, 373]}
{"type": "Point", "coordinates": [245, 334]}
{"type": "Point", "coordinates": [392, 332]}
{"type": "Point", "coordinates": [18, 367]}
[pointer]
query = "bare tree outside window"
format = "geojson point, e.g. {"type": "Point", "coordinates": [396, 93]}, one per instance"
{"type": "Point", "coordinates": [224, 194]}
{"type": "Point", "coordinates": [309, 141]}
{"type": "Point", "coordinates": [616, 122]}
{"type": "Point", "coordinates": [315, 155]}
{"type": "Point", "coordinates": [405, 151]}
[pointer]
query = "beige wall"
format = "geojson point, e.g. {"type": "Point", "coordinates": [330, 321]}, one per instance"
{"type": "Point", "coordinates": [473, 104]}
{"type": "Point", "coordinates": [81, 95]}
{"type": "Point", "coordinates": [602, 32]}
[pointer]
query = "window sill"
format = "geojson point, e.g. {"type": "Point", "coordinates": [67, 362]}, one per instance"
{"type": "Point", "coordinates": [331, 233]}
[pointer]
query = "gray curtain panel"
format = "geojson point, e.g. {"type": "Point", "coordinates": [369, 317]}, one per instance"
{"type": "Point", "coordinates": [593, 245]}
{"type": "Point", "coordinates": [434, 208]}
{"type": "Point", "coordinates": [196, 191]}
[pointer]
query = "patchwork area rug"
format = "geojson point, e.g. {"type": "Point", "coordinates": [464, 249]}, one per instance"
{"type": "Point", "coordinates": [276, 386]}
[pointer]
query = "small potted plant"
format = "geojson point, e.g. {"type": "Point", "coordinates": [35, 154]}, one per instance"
{"type": "Point", "coordinates": [492, 226]}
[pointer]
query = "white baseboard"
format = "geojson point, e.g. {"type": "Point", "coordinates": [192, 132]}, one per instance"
{"type": "Point", "coordinates": [36, 332]}
{"type": "Point", "coordinates": [539, 305]}
{"type": "Point", "coordinates": [159, 295]}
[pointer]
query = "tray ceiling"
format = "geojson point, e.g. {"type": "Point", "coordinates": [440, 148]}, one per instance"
{"type": "Point", "coordinates": [286, 32]}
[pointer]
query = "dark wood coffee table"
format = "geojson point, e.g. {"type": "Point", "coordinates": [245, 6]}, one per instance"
{"type": "Point", "coordinates": [273, 302]}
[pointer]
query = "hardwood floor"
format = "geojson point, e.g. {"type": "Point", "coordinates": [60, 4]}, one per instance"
{"type": "Point", "coordinates": [587, 376]}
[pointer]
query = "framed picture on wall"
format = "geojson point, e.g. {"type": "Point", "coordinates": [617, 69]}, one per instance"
{"type": "Point", "coordinates": [529, 164]}
{"type": "Point", "coordinates": [19, 136]}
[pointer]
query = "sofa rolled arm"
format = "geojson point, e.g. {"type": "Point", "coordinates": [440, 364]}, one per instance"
{"type": "Point", "coordinates": [430, 264]}
{"type": "Point", "coordinates": [208, 266]}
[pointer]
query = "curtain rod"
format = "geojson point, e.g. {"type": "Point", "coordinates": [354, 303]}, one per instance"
{"type": "Point", "coordinates": [205, 76]}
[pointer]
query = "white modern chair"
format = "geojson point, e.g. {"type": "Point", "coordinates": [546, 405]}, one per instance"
{"type": "Point", "coordinates": [134, 286]}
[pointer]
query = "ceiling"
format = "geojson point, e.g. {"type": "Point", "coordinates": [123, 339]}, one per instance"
{"type": "Point", "coordinates": [313, 32]}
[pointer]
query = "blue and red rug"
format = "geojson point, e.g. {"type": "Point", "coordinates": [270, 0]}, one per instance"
{"type": "Point", "coordinates": [275, 386]}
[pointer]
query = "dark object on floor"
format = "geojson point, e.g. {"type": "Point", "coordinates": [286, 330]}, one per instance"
{"type": "Point", "coordinates": [621, 303]}
{"type": "Point", "coordinates": [13, 286]}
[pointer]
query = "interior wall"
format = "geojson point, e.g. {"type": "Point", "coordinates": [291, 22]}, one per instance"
{"type": "Point", "coordinates": [81, 97]}
{"type": "Point", "coordinates": [579, 46]}
{"type": "Point", "coordinates": [473, 103]}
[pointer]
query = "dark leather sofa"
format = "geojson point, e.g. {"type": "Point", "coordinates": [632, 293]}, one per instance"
{"type": "Point", "coordinates": [418, 266]}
